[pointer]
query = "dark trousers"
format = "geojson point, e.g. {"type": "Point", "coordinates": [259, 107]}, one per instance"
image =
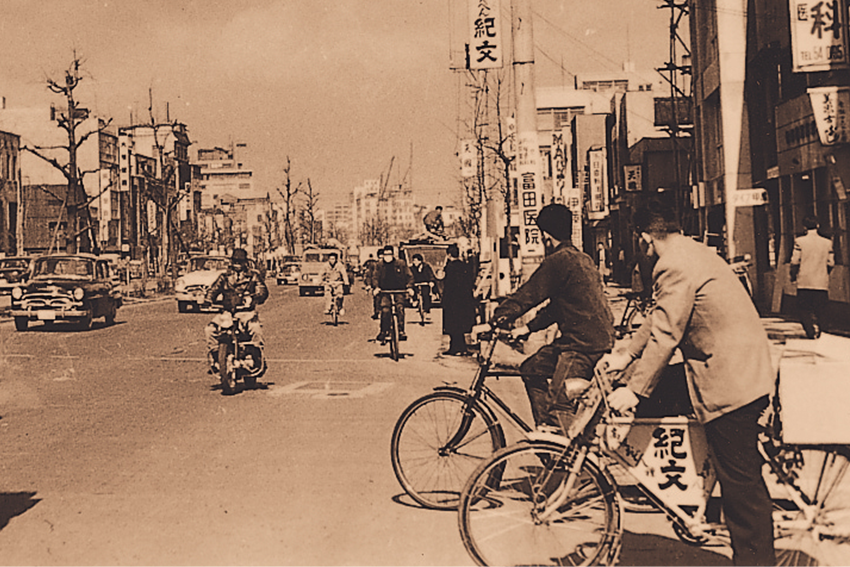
{"type": "Point", "coordinates": [544, 374]}
{"type": "Point", "coordinates": [814, 309]}
{"type": "Point", "coordinates": [733, 442]}
{"type": "Point", "coordinates": [425, 297]}
{"type": "Point", "coordinates": [386, 314]}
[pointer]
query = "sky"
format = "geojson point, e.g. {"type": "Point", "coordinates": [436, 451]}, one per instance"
{"type": "Point", "coordinates": [340, 88]}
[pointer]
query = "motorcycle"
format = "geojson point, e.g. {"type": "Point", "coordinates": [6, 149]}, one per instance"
{"type": "Point", "coordinates": [239, 358]}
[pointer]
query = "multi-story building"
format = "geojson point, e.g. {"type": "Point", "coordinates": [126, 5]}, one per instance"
{"type": "Point", "coordinates": [224, 172]}
{"type": "Point", "coordinates": [382, 215]}
{"type": "Point", "coordinates": [10, 185]}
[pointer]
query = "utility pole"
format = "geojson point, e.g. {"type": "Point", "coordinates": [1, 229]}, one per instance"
{"type": "Point", "coordinates": [528, 151]}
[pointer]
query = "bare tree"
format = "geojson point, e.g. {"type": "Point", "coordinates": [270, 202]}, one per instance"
{"type": "Point", "coordinates": [288, 193]}
{"type": "Point", "coordinates": [308, 212]}
{"type": "Point", "coordinates": [75, 202]}
{"type": "Point", "coordinates": [375, 231]}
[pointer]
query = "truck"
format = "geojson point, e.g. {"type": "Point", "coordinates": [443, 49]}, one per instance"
{"type": "Point", "coordinates": [434, 253]}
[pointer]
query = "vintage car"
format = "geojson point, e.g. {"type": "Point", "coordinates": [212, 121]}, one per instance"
{"type": "Point", "coordinates": [289, 274]}
{"type": "Point", "coordinates": [312, 266]}
{"type": "Point", "coordinates": [191, 288]}
{"type": "Point", "coordinates": [14, 270]}
{"type": "Point", "coordinates": [66, 287]}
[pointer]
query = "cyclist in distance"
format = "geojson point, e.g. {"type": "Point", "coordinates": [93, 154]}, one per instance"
{"type": "Point", "coordinates": [569, 279]}
{"type": "Point", "coordinates": [237, 286]}
{"type": "Point", "coordinates": [423, 274]}
{"type": "Point", "coordinates": [391, 274]}
{"type": "Point", "coordinates": [334, 277]}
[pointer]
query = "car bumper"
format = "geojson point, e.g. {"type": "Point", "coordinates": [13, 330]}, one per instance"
{"type": "Point", "coordinates": [49, 314]}
{"type": "Point", "coordinates": [190, 297]}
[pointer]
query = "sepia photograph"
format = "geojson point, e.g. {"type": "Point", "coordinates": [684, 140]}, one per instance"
{"type": "Point", "coordinates": [424, 282]}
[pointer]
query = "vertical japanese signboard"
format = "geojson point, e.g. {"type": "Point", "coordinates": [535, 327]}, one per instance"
{"type": "Point", "coordinates": [530, 193]}
{"type": "Point", "coordinates": [562, 172]}
{"type": "Point", "coordinates": [634, 182]}
{"type": "Point", "coordinates": [467, 159]}
{"type": "Point", "coordinates": [597, 184]}
{"type": "Point", "coordinates": [818, 35]}
{"type": "Point", "coordinates": [830, 106]}
{"type": "Point", "coordinates": [485, 37]}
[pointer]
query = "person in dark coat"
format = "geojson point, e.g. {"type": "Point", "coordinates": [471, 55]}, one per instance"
{"type": "Point", "coordinates": [458, 301]}
{"type": "Point", "coordinates": [569, 280]}
{"type": "Point", "coordinates": [391, 274]}
{"type": "Point", "coordinates": [423, 274]}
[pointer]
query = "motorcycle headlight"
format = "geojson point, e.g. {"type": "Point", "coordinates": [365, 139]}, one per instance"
{"type": "Point", "coordinates": [17, 293]}
{"type": "Point", "coordinates": [78, 293]}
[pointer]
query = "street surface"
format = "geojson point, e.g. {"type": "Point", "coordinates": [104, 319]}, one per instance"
{"type": "Point", "coordinates": [118, 447]}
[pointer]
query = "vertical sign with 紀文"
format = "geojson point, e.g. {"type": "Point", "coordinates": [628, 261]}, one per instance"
{"type": "Point", "coordinates": [818, 35]}
{"type": "Point", "coordinates": [485, 34]}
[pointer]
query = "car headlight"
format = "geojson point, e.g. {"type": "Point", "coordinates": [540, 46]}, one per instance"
{"type": "Point", "coordinates": [17, 293]}
{"type": "Point", "coordinates": [179, 284]}
{"type": "Point", "coordinates": [78, 293]}
{"type": "Point", "coordinates": [305, 277]}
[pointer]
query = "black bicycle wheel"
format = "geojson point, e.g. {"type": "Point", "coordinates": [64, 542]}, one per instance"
{"type": "Point", "coordinates": [821, 475]}
{"type": "Point", "coordinates": [394, 337]}
{"type": "Point", "coordinates": [514, 510]}
{"type": "Point", "coordinates": [428, 469]}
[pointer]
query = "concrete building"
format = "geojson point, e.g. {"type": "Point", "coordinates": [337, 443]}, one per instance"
{"type": "Point", "coordinates": [224, 172]}
{"type": "Point", "coordinates": [382, 215]}
{"type": "Point", "coordinates": [11, 240]}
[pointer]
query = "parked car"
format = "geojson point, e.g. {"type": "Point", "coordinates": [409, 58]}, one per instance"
{"type": "Point", "coordinates": [191, 288]}
{"type": "Point", "coordinates": [14, 270]}
{"type": "Point", "coordinates": [289, 274]}
{"type": "Point", "coordinates": [66, 287]}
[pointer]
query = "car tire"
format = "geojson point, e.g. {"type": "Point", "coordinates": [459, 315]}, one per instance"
{"type": "Point", "coordinates": [21, 323]}
{"type": "Point", "coordinates": [109, 318]}
{"type": "Point", "coordinates": [182, 306]}
{"type": "Point", "coordinates": [302, 292]}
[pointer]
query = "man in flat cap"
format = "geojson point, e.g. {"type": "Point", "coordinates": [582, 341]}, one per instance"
{"type": "Point", "coordinates": [568, 278]}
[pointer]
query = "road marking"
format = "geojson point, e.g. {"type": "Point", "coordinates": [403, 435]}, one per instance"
{"type": "Point", "coordinates": [63, 356]}
{"type": "Point", "coordinates": [330, 389]}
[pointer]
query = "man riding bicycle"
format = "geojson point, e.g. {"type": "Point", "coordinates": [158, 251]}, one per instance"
{"type": "Point", "coordinates": [238, 286]}
{"type": "Point", "coordinates": [334, 277]}
{"type": "Point", "coordinates": [424, 279]}
{"type": "Point", "coordinates": [391, 274]}
{"type": "Point", "coordinates": [569, 280]}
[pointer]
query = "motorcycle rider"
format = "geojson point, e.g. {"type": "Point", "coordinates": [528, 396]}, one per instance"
{"type": "Point", "coordinates": [239, 285]}
{"type": "Point", "coordinates": [334, 277]}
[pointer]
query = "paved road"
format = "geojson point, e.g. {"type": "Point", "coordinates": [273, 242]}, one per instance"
{"type": "Point", "coordinates": [119, 449]}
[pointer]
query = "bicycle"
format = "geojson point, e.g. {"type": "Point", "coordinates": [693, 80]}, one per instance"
{"type": "Point", "coordinates": [420, 290]}
{"type": "Point", "coordinates": [336, 300]}
{"type": "Point", "coordinates": [441, 438]}
{"type": "Point", "coordinates": [395, 306]}
{"type": "Point", "coordinates": [551, 500]}
{"type": "Point", "coordinates": [637, 309]}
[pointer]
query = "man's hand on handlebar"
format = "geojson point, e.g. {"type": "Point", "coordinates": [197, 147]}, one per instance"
{"type": "Point", "coordinates": [376, 291]}
{"type": "Point", "coordinates": [613, 362]}
{"type": "Point", "coordinates": [411, 292]}
{"type": "Point", "coordinates": [623, 400]}
{"type": "Point", "coordinates": [520, 332]}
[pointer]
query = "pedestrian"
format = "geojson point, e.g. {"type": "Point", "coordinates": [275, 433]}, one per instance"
{"type": "Point", "coordinates": [569, 280]}
{"type": "Point", "coordinates": [368, 270]}
{"type": "Point", "coordinates": [811, 263]}
{"type": "Point", "coordinates": [702, 309]}
{"type": "Point", "coordinates": [391, 274]}
{"type": "Point", "coordinates": [602, 260]}
{"type": "Point", "coordinates": [424, 279]}
{"type": "Point", "coordinates": [458, 301]}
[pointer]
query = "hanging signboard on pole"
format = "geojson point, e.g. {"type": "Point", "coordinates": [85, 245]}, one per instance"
{"type": "Point", "coordinates": [597, 183]}
{"type": "Point", "coordinates": [818, 35]}
{"type": "Point", "coordinates": [467, 159]}
{"type": "Point", "coordinates": [530, 194]}
{"type": "Point", "coordinates": [485, 37]}
{"type": "Point", "coordinates": [830, 106]}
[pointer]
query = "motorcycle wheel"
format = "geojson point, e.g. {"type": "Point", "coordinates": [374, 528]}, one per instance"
{"type": "Point", "coordinates": [226, 371]}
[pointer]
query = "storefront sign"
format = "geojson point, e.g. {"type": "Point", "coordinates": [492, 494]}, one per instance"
{"type": "Point", "coordinates": [530, 194]}
{"type": "Point", "coordinates": [830, 106]}
{"type": "Point", "coordinates": [632, 174]}
{"type": "Point", "coordinates": [485, 37]}
{"type": "Point", "coordinates": [597, 183]}
{"type": "Point", "coordinates": [467, 159]}
{"type": "Point", "coordinates": [818, 35]}
{"type": "Point", "coordinates": [749, 197]}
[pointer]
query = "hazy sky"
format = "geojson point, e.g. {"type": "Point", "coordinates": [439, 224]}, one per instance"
{"type": "Point", "coordinates": [339, 87]}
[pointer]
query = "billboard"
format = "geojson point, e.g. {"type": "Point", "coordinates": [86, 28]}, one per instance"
{"type": "Point", "coordinates": [485, 34]}
{"type": "Point", "coordinates": [818, 35]}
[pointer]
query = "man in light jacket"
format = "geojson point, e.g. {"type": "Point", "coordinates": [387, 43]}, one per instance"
{"type": "Point", "coordinates": [703, 310]}
{"type": "Point", "coordinates": [811, 262]}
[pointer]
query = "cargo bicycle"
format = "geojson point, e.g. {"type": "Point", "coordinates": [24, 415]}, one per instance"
{"type": "Point", "coordinates": [550, 500]}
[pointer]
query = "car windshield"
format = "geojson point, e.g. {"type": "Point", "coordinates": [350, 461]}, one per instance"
{"type": "Point", "coordinates": [318, 256]}
{"type": "Point", "coordinates": [10, 264]}
{"type": "Point", "coordinates": [290, 268]}
{"type": "Point", "coordinates": [196, 264]}
{"type": "Point", "coordinates": [76, 268]}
